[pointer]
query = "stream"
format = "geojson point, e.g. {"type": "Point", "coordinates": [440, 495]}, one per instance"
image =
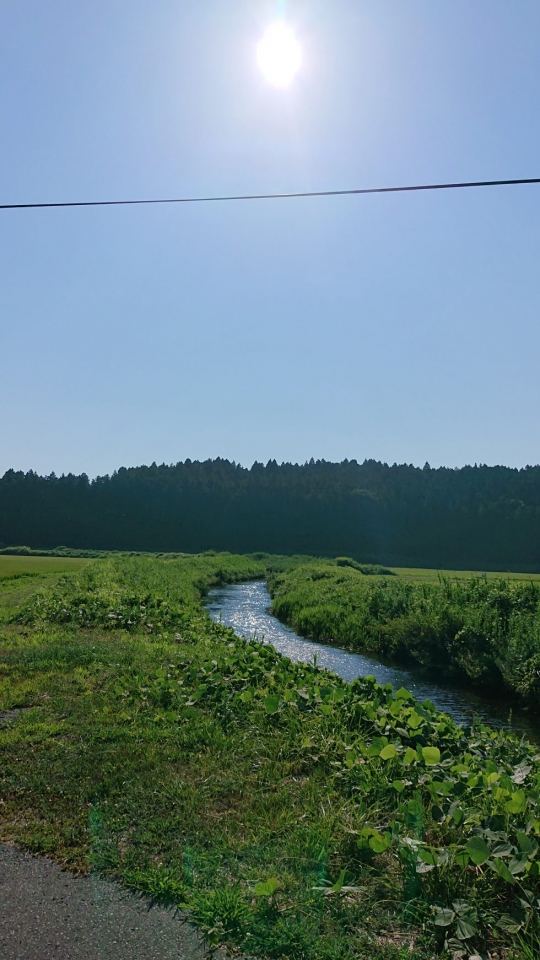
{"type": "Point", "coordinates": [245, 606]}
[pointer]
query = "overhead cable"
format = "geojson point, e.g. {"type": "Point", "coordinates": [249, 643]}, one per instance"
{"type": "Point", "coordinates": [273, 196]}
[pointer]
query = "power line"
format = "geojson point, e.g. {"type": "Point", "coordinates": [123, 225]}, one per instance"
{"type": "Point", "coordinates": [273, 196]}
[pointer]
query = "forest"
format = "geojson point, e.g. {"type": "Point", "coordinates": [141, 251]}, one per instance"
{"type": "Point", "coordinates": [475, 517]}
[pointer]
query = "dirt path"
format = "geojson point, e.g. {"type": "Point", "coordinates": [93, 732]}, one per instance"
{"type": "Point", "coordinates": [46, 913]}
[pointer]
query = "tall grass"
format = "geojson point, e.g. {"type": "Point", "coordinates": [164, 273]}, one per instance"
{"type": "Point", "coordinates": [486, 632]}
{"type": "Point", "coordinates": [293, 815]}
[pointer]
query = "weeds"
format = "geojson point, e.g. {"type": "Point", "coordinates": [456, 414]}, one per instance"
{"type": "Point", "coordinates": [294, 815]}
{"type": "Point", "coordinates": [486, 632]}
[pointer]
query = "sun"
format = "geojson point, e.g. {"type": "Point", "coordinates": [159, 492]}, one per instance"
{"type": "Point", "coordinates": [279, 54]}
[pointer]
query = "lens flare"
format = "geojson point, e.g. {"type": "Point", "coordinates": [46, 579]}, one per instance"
{"type": "Point", "coordinates": [279, 54]}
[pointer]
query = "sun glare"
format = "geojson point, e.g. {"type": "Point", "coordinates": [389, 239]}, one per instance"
{"type": "Point", "coordinates": [279, 54]}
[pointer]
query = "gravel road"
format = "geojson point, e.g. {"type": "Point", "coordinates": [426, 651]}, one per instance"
{"type": "Point", "coordinates": [47, 913]}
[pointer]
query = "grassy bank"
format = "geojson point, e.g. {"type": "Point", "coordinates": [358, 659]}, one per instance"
{"type": "Point", "coordinates": [485, 632]}
{"type": "Point", "coordinates": [294, 815]}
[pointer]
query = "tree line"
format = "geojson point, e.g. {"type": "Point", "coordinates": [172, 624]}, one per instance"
{"type": "Point", "coordinates": [475, 517]}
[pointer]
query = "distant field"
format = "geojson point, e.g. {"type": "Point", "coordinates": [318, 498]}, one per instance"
{"type": "Point", "coordinates": [419, 573]}
{"type": "Point", "coordinates": [19, 566]}
{"type": "Point", "coordinates": [11, 566]}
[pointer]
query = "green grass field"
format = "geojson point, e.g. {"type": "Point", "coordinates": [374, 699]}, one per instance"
{"type": "Point", "coordinates": [295, 815]}
{"type": "Point", "coordinates": [36, 566]}
{"type": "Point", "coordinates": [425, 575]}
{"type": "Point", "coordinates": [17, 565]}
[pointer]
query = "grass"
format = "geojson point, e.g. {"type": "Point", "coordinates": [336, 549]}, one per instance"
{"type": "Point", "coordinates": [11, 567]}
{"type": "Point", "coordinates": [294, 815]}
{"type": "Point", "coordinates": [426, 575]}
{"type": "Point", "coordinates": [485, 632]}
{"type": "Point", "coordinates": [63, 559]}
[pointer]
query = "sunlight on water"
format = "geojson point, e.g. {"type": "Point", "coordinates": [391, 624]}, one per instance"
{"type": "Point", "coordinates": [244, 607]}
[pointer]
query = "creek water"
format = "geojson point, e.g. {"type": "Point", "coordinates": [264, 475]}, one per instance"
{"type": "Point", "coordinates": [245, 608]}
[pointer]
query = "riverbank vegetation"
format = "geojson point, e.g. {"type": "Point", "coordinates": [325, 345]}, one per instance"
{"type": "Point", "coordinates": [482, 518]}
{"type": "Point", "coordinates": [293, 815]}
{"type": "Point", "coordinates": [484, 632]}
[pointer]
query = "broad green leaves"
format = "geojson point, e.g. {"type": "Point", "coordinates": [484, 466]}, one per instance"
{"type": "Point", "coordinates": [271, 703]}
{"type": "Point", "coordinates": [379, 842]}
{"type": "Point", "coordinates": [518, 802]}
{"type": "Point", "coordinates": [266, 888]}
{"type": "Point", "coordinates": [431, 755]}
{"type": "Point", "coordinates": [376, 841]}
{"type": "Point", "coordinates": [478, 850]}
{"type": "Point", "coordinates": [444, 916]}
{"type": "Point", "coordinates": [462, 917]}
{"type": "Point", "coordinates": [375, 747]}
{"type": "Point", "coordinates": [502, 870]}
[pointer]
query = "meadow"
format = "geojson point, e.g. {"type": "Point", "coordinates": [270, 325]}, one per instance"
{"type": "Point", "coordinates": [483, 632]}
{"type": "Point", "coordinates": [425, 575]}
{"type": "Point", "coordinates": [14, 566]}
{"type": "Point", "coordinates": [292, 815]}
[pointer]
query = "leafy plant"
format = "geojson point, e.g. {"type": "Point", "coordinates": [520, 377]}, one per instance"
{"type": "Point", "coordinates": [296, 815]}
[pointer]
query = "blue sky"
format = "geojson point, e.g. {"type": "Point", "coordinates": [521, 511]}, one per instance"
{"type": "Point", "coordinates": [404, 328]}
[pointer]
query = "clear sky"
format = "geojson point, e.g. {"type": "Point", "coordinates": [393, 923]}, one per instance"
{"type": "Point", "coordinates": [403, 328]}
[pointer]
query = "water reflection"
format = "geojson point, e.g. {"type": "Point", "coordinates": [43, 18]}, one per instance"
{"type": "Point", "coordinates": [244, 607]}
